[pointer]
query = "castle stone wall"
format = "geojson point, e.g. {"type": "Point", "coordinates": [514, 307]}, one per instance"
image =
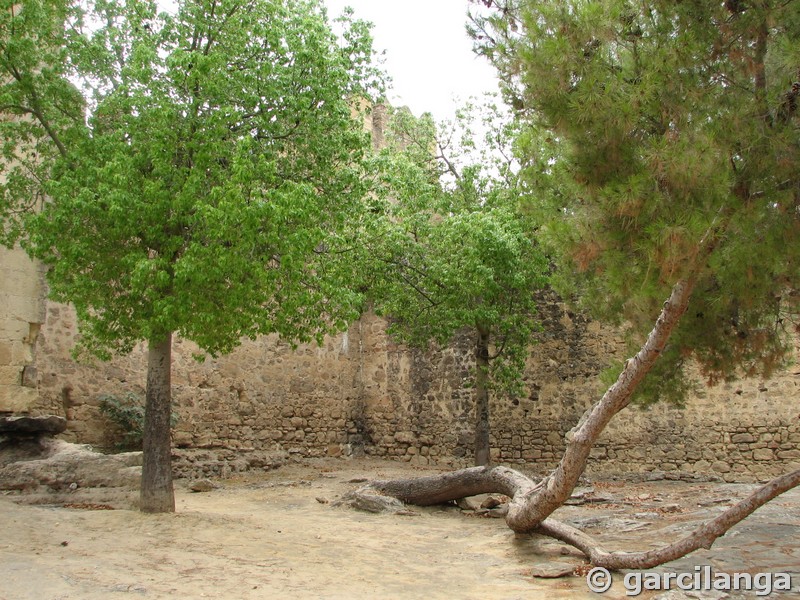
{"type": "Point", "coordinates": [362, 394]}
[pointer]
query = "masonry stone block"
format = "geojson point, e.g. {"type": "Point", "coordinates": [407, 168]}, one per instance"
{"type": "Point", "coordinates": [17, 399]}
{"type": "Point", "coordinates": [763, 454]}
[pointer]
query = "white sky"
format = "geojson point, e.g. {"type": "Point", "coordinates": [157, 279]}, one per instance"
{"type": "Point", "coordinates": [428, 53]}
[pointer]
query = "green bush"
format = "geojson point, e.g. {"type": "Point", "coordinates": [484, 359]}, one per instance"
{"type": "Point", "coordinates": [126, 411]}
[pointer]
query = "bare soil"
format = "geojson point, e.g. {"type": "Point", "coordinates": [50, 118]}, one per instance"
{"type": "Point", "coordinates": [277, 535]}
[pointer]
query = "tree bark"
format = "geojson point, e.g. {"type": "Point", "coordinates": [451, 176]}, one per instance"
{"type": "Point", "coordinates": [482, 444]}
{"type": "Point", "coordinates": [702, 537]}
{"type": "Point", "coordinates": [532, 504]}
{"type": "Point", "coordinates": [528, 511]}
{"type": "Point", "coordinates": [157, 494]}
{"type": "Point", "coordinates": [438, 489]}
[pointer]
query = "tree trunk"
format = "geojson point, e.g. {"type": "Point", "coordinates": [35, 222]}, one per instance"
{"type": "Point", "coordinates": [533, 504]}
{"type": "Point", "coordinates": [157, 494]}
{"type": "Point", "coordinates": [482, 451]}
{"type": "Point", "coordinates": [438, 489]}
{"type": "Point", "coordinates": [526, 513]}
{"type": "Point", "coordinates": [703, 537]}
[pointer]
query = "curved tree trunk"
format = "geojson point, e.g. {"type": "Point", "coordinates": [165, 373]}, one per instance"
{"type": "Point", "coordinates": [482, 445]}
{"type": "Point", "coordinates": [437, 489]}
{"type": "Point", "coordinates": [157, 495]}
{"type": "Point", "coordinates": [529, 510]}
{"type": "Point", "coordinates": [532, 503]}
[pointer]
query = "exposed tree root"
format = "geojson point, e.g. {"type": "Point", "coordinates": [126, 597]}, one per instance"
{"type": "Point", "coordinates": [437, 489]}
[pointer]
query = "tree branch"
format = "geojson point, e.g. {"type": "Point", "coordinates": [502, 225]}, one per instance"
{"type": "Point", "coordinates": [36, 111]}
{"type": "Point", "coordinates": [702, 537]}
{"type": "Point", "coordinates": [527, 513]}
{"type": "Point", "coordinates": [500, 350]}
{"type": "Point", "coordinates": [451, 168]}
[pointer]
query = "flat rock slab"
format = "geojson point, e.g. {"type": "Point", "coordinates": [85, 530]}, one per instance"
{"type": "Point", "coordinates": [63, 466]}
{"type": "Point", "coordinates": [553, 570]}
{"type": "Point", "coordinates": [204, 485]}
{"type": "Point", "coordinates": [45, 425]}
{"type": "Point", "coordinates": [369, 501]}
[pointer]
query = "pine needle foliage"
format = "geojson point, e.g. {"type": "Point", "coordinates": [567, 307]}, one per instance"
{"type": "Point", "coordinates": [651, 123]}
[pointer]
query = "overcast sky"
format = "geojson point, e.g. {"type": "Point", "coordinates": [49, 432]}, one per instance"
{"type": "Point", "coordinates": [428, 53]}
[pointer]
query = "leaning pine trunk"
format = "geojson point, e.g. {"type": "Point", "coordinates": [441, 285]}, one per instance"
{"type": "Point", "coordinates": [157, 495]}
{"type": "Point", "coordinates": [482, 398]}
{"type": "Point", "coordinates": [529, 510]}
{"type": "Point", "coordinates": [531, 503]}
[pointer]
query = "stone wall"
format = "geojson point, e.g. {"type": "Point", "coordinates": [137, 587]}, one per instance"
{"type": "Point", "coordinates": [742, 431]}
{"type": "Point", "coordinates": [360, 393]}
{"type": "Point", "coordinates": [262, 396]}
{"type": "Point", "coordinates": [21, 316]}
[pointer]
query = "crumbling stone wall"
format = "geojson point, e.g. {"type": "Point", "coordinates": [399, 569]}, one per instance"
{"type": "Point", "coordinates": [361, 393]}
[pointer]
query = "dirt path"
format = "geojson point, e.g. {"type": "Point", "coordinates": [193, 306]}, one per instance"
{"type": "Point", "coordinates": [269, 537]}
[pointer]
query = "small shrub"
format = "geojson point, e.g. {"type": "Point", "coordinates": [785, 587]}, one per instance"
{"type": "Point", "coordinates": [126, 411]}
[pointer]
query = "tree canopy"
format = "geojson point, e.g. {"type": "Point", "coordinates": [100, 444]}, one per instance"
{"type": "Point", "coordinates": [214, 151]}
{"type": "Point", "coordinates": [449, 251]}
{"type": "Point", "coordinates": [658, 129]}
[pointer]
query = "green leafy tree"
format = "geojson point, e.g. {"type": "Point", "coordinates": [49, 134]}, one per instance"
{"type": "Point", "coordinates": [663, 145]}
{"type": "Point", "coordinates": [196, 162]}
{"type": "Point", "coordinates": [452, 254]}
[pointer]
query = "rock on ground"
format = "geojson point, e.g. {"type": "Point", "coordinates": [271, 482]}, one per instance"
{"type": "Point", "coordinates": [369, 501]}
{"type": "Point", "coordinates": [61, 465]}
{"type": "Point", "coordinates": [24, 425]}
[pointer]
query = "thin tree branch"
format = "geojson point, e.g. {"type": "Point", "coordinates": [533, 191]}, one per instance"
{"type": "Point", "coordinates": [36, 111]}
{"type": "Point", "coordinates": [702, 537]}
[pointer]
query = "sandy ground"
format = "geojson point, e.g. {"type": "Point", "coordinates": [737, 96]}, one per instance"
{"type": "Point", "coordinates": [269, 536]}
